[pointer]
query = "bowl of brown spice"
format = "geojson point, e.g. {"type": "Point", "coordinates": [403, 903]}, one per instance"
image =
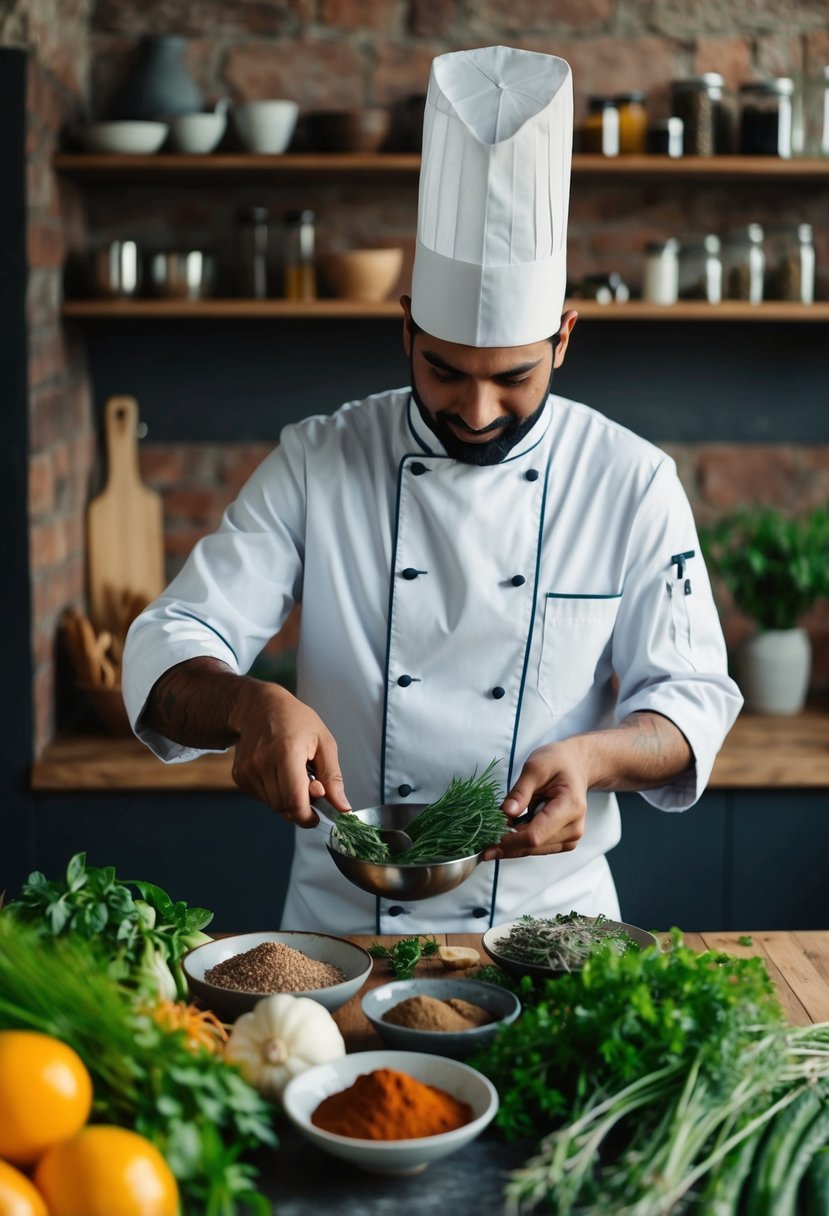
{"type": "Point", "coordinates": [390, 1112]}
{"type": "Point", "coordinates": [447, 1017]}
{"type": "Point", "coordinates": [229, 975]}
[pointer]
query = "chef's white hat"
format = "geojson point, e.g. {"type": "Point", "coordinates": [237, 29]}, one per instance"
{"type": "Point", "coordinates": [490, 259]}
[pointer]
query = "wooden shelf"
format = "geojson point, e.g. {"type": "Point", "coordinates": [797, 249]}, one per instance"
{"type": "Point", "coordinates": [283, 310]}
{"type": "Point", "coordinates": [241, 166]}
{"type": "Point", "coordinates": [760, 753]}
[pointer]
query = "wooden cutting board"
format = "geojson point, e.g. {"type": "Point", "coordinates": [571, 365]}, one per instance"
{"type": "Point", "coordinates": [124, 524]}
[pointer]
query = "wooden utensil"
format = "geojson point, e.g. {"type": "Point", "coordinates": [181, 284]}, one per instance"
{"type": "Point", "coordinates": [124, 523]}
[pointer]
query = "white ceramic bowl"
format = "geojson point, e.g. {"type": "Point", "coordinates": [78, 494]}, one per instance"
{"type": "Point", "coordinates": [197, 134]}
{"type": "Point", "coordinates": [504, 1007]}
{"type": "Point", "coordinates": [354, 962]}
{"type": "Point", "coordinates": [303, 1094]}
{"type": "Point", "coordinates": [129, 137]}
{"type": "Point", "coordinates": [266, 126]}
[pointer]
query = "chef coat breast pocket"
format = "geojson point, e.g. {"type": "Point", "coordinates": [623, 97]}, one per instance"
{"type": "Point", "coordinates": [577, 632]}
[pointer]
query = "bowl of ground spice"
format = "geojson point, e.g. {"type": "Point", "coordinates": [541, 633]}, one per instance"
{"type": "Point", "coordinates": [447, 1017]}
{"type": "Point", "coordinates": [390, 1112]}
{"type": "Point", "coordinates": [229, 975]}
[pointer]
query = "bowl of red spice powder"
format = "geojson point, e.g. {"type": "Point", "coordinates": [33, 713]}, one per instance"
{"type": "Point", "coordinates": [390, 1112]}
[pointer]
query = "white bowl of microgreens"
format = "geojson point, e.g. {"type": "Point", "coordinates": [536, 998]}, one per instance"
{"type": "Point", "coordinates": [448, 837]}
{"type": "Point", "coordinates": [544, 946]}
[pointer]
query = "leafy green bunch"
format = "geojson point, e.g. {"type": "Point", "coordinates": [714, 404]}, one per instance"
{"type": "Point", "coordinates": [197, 1109]}
{"type": "Point", "coordinates": [404, 955]}
{"type": "Point", "coordinates": [140, 935]}
{"type": "Point", "coordinates": [775, 568]}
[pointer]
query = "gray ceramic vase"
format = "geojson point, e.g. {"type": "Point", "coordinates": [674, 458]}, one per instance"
{"type": "Point", "coordinates": [158, 85]}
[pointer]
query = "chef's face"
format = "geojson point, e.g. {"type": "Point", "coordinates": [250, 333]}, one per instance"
{"type": "Point", "coordinates": [479, 401]}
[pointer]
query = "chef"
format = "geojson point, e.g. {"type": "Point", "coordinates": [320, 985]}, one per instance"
{"type": "Point", "coordinates": [487, 571]}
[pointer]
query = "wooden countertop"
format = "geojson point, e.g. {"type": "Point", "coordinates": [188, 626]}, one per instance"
{"type": "Point", "coordinates": [760, 752]}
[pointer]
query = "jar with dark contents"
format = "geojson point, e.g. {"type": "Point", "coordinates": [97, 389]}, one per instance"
{"type": "Point", "coordinates": [700, 269]}
{"type": "Point", "coordinates": [700, 102]}
{"type": "Point", "coordinates": [744, 264]}
{"type": "Point", "coordinates": [633, 123]}
{"type": "Point", "coordinates": [791, 271]}
{"type": "Point", "coordinates": [766, 117]}
{"type": "Point", "coordinates": [665, 137]}
{"type": "Point", "coordinates": [600, 130]}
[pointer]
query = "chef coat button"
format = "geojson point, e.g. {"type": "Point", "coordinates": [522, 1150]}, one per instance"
{"type": "Point", "coordinates": [518, 580]}
{"type": "Point", "coordinates": [404, 790]}
{"type": "Point", "coordinates": [531, 474]}
{"type": "Point", "coordinates": [417, 468]}
{"type": "Point", "coordinates": [499, 692]}
{"type": "Point", "coordinates": [395, 910]}
{"type": "Point", "coordinates": [404, 681]}
{"type": "Point", "coordinates": [479, 912]}
{"type": "Point", "coordinates": [410, 573]}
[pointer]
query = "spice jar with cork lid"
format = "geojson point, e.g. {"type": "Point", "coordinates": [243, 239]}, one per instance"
{"type": "Point", "coordinates": [600, 130]}
{"type": "Point", "coordinates": [633, 123]}
{"type": "Point", "coordinates": [700, 102]}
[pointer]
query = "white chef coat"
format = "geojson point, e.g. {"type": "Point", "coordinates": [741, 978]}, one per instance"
{"type": "Point", "coordinates": [453, 614]}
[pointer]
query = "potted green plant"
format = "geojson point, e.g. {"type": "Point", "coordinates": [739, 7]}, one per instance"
{"type": "Point", "coordinates": [775, 569]}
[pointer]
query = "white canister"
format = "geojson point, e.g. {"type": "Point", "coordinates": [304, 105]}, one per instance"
{"type": "Point", "coordinates": [660, 284]}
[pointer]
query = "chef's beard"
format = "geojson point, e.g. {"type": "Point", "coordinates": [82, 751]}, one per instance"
{"type": "Point", "coordinates": [506, 432]}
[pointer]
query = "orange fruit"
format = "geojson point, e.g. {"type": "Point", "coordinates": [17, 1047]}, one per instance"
{"type": "Point", "coordinates": [18, 1196]}
{"type": "Point", "coordinates": [45, 1094]}
{"type": "Point", "coordinates": [106, 1171]}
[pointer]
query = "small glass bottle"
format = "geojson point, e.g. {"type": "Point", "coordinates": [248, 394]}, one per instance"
{"type": "Point", "coordinates": [660, 284]}
{"type": "Point", "coordinates": [791, 273]}
{"type": "Point", "coordinates": [766, 117]}
{"type": "Point", "coordinates": [665, 137]}
{"type": "Point", "coordinates": [700, 270]}
{"type": "Point", "coordinates": [700, 102]}
{"type": "Point", "coordinates": [744, 264]}
{"type": "Point", "coordinates": [299, 271]}
{"type": "Point", "coordinates": [600, 131]}
{"type": "Point", "coordinates": [252, 224]}
{"type": "Point", "coordinates": [633, 123]}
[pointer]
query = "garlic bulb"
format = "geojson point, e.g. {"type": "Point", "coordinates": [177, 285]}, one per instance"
{"type": "Point", "coordinates": [282, 1036]}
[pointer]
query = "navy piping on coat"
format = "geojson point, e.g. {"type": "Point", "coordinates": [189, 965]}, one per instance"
{"type": "Point", "coordinates": [401, 468]}
{"type": "Point", "coordinates": [192, 616]}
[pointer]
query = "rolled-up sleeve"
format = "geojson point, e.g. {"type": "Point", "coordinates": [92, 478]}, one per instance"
{"type": "Point", "coordinates": [233, 593]}
{"type": "Point", "coordinates": [668, 649]}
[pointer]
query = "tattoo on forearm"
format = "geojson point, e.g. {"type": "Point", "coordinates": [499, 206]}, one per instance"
{"type": "Point", "coordinates": [192, 711]}
{"type": "Point", "coordinates": [648, 739]}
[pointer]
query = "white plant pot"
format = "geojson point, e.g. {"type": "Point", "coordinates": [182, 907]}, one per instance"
{"type": "Point", "coordinates": [773, 670]}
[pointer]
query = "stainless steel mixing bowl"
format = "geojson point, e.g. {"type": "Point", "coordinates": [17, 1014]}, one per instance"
{"type": "Point", "coordinates": [395, 881]}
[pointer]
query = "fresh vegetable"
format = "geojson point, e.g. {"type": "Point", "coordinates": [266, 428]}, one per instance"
{"type": "Point", "coordinates": [281, 1037]}
{"type": "Point", "coordinates": [656, 1082]}
{"type": "Point", "coordinates": [19, 1196]}
{"type": "Point", "coordinates": [563, 942]}
{"type": "Point", "coordinates": [141, 939]}
{"type": "Point", "coordinates": [458, 958]}
{"type": "Point", "coordinates": [462, 822]}
{"type": "Point", "coordinates": [45, 1094]}
{"type": "Point", "coordinates": [103, 1170]}
{"type": "Point", "coordinates": [405, 954]}
{"type": "Point", "coordinates": [202, 1029]}
{"type": "Point", "coordinates": [193, 1105]}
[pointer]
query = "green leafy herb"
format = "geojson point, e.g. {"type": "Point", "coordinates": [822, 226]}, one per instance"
{"type": "Point", "coordinates": [195, 1107]}
{"type": "Point", "coordinates": [463, 821]}
{"type": "Point", "coordinates": [141, 935]}
{"type": "Point", "coordinates": [360, 840]}
{"type": "Point", "coordinates": [405, 954]}
{"type": "Point", "coordinates": [745, 939]}
{"type": "Point", "coordinates": [562, 942]}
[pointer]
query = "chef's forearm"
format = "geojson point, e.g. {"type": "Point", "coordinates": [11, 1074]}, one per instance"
{"type": "Point", "coordinates": [196, 703]}
{"type": "Point", "coordinates": [643, 752]}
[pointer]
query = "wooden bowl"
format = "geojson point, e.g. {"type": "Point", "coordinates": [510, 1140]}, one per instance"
{"type": "Point", "coordinates": [348, 130]}
{"type": "Point", "coordinates": [367, 275]}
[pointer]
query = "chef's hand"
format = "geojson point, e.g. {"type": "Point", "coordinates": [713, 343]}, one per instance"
{"type": "Point", "coordinates": [554, 775]}
{"type": "Point", "coordinates": [279, 740]}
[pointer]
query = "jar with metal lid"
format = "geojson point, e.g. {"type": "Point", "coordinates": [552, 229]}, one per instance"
{"type": "Point", "coordinates": [633, 123]}
{"type": "Point", "coordinates": [701, 103]}
{"type": "Point", "coordinates": [766, 117]}
{"type": "Point", "coordinates": [744, 264]}
{"type": "Point", "coordinates": [600, 130]}
{"type": "Point", "coordinates": [665, 137]}
{"type": "Point", "coordinates": [252, 273]}
{"type": "Point", "coordinates": [791, 269]}
{"type": "Point", "coordinates": [660, 284]}
{"type": "Point", "coordinates": [700, 269]}
{"type": "Point", "coordinates": [299, 270]}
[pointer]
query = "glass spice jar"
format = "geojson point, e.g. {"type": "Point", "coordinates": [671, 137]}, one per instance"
{"type": "Point", "coordinates": [766, 117]}
{"type": "Point", "coordinates": [665, 137]}
{"type": "Point", "coordinates": [299, 270]}
{"type": "Point", "coordinates": [600, 130]}
{"type": "Point", "coordinates": [700, 102]}
{"type": "Point", "coordinates": [252, 273]}
{"type": "Point", "coordinates": [791, 271]}
{"type": "Point", "coordinates": [633, 123]}
{"type": "Point", "coordinates": [744, 264]}
{"type": "Point", "coordinates": [660, 284]}
{"type": "Point", "coordinates": [700, 270]}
